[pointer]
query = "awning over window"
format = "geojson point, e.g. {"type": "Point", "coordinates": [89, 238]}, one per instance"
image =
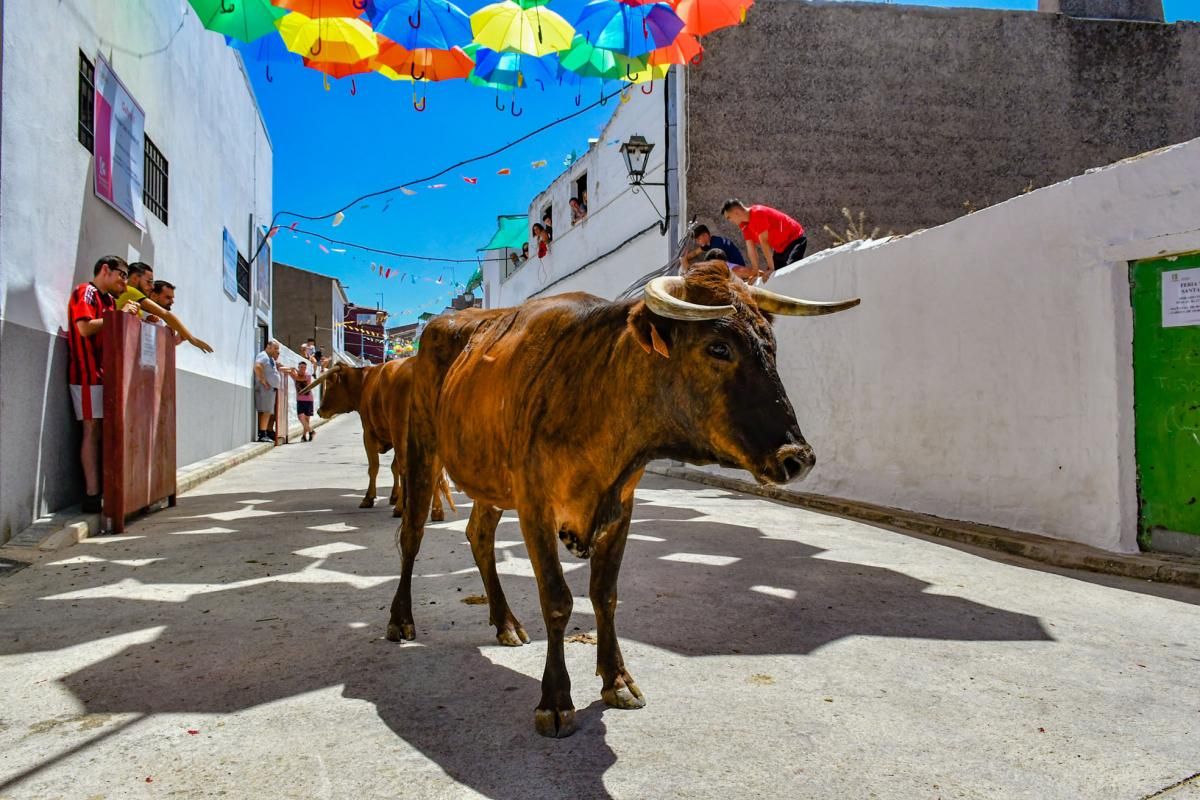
{"type": "Point", "coordinates": [512, 232]}
{"type": "Point", "coordinates": [476, 279]}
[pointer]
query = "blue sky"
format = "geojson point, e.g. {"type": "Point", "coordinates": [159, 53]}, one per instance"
{"type": "Point", "coordinates": [332, 146]}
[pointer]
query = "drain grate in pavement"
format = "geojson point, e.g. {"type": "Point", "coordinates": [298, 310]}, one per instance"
{"type": "Point", "coordinates": [8, 567]}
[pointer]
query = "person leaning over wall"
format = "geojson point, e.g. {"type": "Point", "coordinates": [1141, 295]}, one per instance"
{"type": "Point", "coordinates": [136, 297]}
{"type": "Point", "coordinates": [163, 293]}
{"type": "Point", "coordinates": [781, 238]}
{"type": "Point", "coordinates": [85, 368]}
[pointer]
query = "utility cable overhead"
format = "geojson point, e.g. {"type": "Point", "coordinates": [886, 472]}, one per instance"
{"type": "Point", "coordinates": [393, 253]}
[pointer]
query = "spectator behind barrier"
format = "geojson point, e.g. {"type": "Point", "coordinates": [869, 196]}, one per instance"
{"type": "Point", "coordinates": [266, 383]}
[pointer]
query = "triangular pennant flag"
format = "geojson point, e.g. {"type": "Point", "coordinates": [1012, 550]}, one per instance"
{"type": "Point", "coordinates": [337, 218]}
{"type": "Point", "coordinates": [407, 191]}
{"type": "Point", "coordinates": [505, 171]}
{"type": "Point", "coordinates": [471, 181]}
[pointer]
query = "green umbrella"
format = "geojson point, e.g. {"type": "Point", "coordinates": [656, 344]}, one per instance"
{"type": "Point", "coordinates": [245, 20]}
{"type": "Point", "coordinates": [596, 62]}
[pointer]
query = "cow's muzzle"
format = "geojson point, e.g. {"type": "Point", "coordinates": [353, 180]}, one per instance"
{"type": "Point", "coordinates": [789, 463]}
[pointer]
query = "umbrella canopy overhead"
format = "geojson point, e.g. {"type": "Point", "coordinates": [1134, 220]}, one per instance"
{"type": "Point", "coordinates": [514, 69]}
{"type": "Point", "coordinates": [684, 50]}
{"type": "Point", "coordinates": [632, 30]}
{"type": "Point", "coordinates": [511, 232]}
{"type": "Point", "coordinates": [315, 9]}
{"type": "Point", "coordinates": [416, 24]}
{"type": "Point", "coordinates": [340, 39]}
{"type": "Point", "coordinates": [589, 61]}
{"type": "Point", "coordinates": [425, 64]}
{"type": "Point", "coordinates": [335, 70]}
{"type": "Point", "coordinates": [244, 20]}
{"type": "Point", "coordinates": [702, 17]}
{"type": "Point", "coordinates": [524, 26]}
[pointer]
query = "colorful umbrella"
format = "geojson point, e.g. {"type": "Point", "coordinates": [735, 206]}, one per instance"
{"type": "Point", "coordinates": [513, 69]}
{"type": "Point", "coordinates": [521, 26]}
{"type": "Point", "coordinates": [416, 24]}
{"type": "Point", "coordinates": [632, 30]}
{"type": "Point", "coordinates": [590, 61]}
{"type": "Point", "coordinates": [266, 50]}
{"type": "Point", "coordinates": [244, 20]}
{"type": "Point", "coordinates": [315, 9]}
{"type": "Point", "coordinates": [337, 39]}
{"type": "Point", "coordinates": [640, 71]}
{"type": "Point", "coordinates": [702, 17]}
{"type": "Point", "coordinates": [427, 64]}
{"type": "Point", "coordinates": [335, 70]}
{"type": "Point", "coordinates": [684, 50]}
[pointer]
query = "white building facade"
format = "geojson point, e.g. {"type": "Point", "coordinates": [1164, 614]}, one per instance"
{"type": "Point", "coordinates": [205, 126]}
{"type": "Point", "coordinates": [629, 231]}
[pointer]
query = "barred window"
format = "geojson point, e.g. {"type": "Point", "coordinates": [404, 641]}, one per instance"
{"type": "Point", "coordinates": [243, 277]}
{"type": "Point", "coordinates": [154, 176]}
{"type": "Point", "coordinates": [87, 102]}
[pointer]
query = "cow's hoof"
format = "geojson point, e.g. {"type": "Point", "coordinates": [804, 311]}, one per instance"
{"type": "Point", "coordinates": [437, 515]}
{"type": "Point", "coordinates": [392, 500]}
{"type": "Point", "coordinates": [554, 724]}
{"type": "Point", "coordinates": [627, 695]}
{"type": "Point", "coordinates": [402, 632]}
{"type": "Point", "coordinates": [398, 511]}
{"type": "Point", "coordinates": [367, 502]}
{"type": "Point", "coordinates": [510, 637]}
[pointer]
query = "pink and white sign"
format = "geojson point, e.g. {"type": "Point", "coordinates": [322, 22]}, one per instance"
{"type": "Point", "coordinates": [120, 145]}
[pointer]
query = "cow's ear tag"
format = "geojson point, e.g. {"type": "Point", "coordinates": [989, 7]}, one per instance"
{"type": "Point", "coordinates": [660, 346]}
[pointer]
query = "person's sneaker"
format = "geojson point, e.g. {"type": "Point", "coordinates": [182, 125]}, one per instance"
{"type": "Point", "coordinates": [264, 437]}
{"type": "Point", "coordinates": [91, 504]}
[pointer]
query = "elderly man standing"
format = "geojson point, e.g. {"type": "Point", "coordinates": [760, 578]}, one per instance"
{"type": "Point", "coordinates": [266, 382]}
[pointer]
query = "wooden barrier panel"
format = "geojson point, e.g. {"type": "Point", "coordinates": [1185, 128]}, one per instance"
{"type": "Point", "coordinates": [281, 409]}
{"type": "Point", "coordinates": [139, 416]}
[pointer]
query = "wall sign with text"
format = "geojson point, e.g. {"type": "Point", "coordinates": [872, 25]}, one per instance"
{"type": "Point", "coordinates": [1180, 298]}
{"type": "Point", "coordinates": [120, 145]}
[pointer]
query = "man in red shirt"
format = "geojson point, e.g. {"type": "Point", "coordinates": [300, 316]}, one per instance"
{"type": "Point", "coordinates": [85, 319]}
{"type": "Point", "coordinates": [780, 237]}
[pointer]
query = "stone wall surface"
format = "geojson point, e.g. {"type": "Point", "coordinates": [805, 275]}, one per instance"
{"type": "Point", "coordinates": [918, 115]}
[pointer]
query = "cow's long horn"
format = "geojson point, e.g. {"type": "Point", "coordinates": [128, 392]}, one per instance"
{"type": "Point", "coordinates": [660, 300]}
{"type": "Point", "coordinates": [318, 381]}
{"type": "Point", "coordinates": [792, 307]}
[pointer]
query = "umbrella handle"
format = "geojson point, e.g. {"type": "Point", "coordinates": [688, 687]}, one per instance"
{"type": "Point", "coordinates": [353, 87]}
{"type": "Point", "coordinates": [628, 74]}
{"type": "Point", "coordinates": [696, 59]}
{"type": "Point", "coordinates": [603, 98]}
{"type": "Point", "coordinates": [513, 108]}
{"type": "Point", "coordinates": [269, 78]}
{"type": "Point", "coordinates": [651, 88]}
{"type": "Point", "coordinates": [540, 84]}
{"type": "Point", "coordinates": [421, 105]}
{"type": "Point", "coordinates": [578, 98]}
{"type": "Point", "coordinates": [412, 66]}
{"type": "Point", "coordinates": [227, 9]}
{"type": "Point", "coordinates": [316, 47]}
{"type": "Point", "coordinates": [416, 24]}
{"type": "Point", "coordinates": [361, 5]}
{"type": "Point", "coordinates": [498, 106]}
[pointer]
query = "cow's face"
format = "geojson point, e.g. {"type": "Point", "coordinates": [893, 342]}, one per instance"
{"type": "Point", "coordinates": [721, 385]}
{"type": "Point", "coordinates": [337, 392]}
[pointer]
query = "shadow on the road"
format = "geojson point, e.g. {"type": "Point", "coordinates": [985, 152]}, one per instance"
{"type": "Point", "coordinates": [254, 621]}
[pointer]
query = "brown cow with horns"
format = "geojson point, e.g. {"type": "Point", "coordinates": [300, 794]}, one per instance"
{"type": "Point", "coordinates": [555, 407]}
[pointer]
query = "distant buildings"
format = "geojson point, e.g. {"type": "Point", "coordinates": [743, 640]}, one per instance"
{"type": "Point", "coordinates": [364, 333]}
{"type": "Point", "coordinates": [309, 305]}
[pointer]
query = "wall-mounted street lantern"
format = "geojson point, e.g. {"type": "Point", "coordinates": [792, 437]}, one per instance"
{"type": "Point", "coordinates": [636, 152]}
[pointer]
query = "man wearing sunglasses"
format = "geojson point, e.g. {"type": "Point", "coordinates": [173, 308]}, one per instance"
{"type": "Point", "coordinates": [85, 319]}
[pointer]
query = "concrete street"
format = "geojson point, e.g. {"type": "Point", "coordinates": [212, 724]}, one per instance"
{"type": "Point", "coordinates": [233, 647]}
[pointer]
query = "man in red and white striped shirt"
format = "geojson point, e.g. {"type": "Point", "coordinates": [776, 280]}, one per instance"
{"type": "Point", "coordinates": [85, 319]}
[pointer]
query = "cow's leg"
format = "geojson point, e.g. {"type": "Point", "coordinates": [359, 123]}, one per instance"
{"type": "Point", "coordinates": [618, 690]}
{"type": "Point", "coordinates": [418, 491]}
{"type": "Point", "coordinates": [394, 500]}
{"type": "Point", "coordinates": [555, 714]}
{"type": "Point", "coordinates": [481, 533]}
{"type": "Point", "coordinates": [372, 449]}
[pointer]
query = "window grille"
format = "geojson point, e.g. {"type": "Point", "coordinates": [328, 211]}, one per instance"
{"type": "Point", "coordinates": [154, 176]}
{"type": "Point", "coordinates": [243, 277]}
{"type": "Point", "coordinates": [87, 102]}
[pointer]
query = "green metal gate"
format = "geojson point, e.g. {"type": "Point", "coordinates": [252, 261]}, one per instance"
{"type": "Point", "coordinates": [1166, 387]}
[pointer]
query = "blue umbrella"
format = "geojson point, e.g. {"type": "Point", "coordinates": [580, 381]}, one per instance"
{"type": "Point", "coordinates": [266, 50]}
{"type": "Point", "coordinates": [626, 29]}
{"type": "Point", "coordinates": [514, 69]}
{"type": "Point", "coordinates": [421, 24]}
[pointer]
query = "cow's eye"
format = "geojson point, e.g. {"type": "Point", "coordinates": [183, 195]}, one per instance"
{"type": "Point", "coordinates": [720, 350]}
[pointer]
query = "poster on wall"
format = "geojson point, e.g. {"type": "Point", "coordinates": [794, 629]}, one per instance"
{"type": "Point", "coordinates": [1181, 298]}
{"type": "Point", "coordinates": [229, 264]}
{"type": "Point", "coordinates": [120, 145]}
{"type": "Point", "coordinates": [262, 276]}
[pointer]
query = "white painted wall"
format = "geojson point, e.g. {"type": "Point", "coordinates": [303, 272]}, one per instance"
{"type": "Point", "coordinates": [615, 213]}
{"type": "Point", "coordinates": [987, 375]}
{"type": "Point", "coordinates": [201, 113]}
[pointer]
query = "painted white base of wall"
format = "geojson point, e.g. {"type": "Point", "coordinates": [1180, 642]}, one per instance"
{"type": "Point", "coordinates": [987, 375]}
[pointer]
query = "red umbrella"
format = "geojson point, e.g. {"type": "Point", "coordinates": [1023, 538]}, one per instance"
{"type": "Point", "coordinates": [702, 17]}
{"type": "Point", "coordinates": [335, 70]}
{"type": "Point", "coordinates": [315, 9]}
{"type": "Point", "coordinates": [685, 49]}
{"type": "Point", "coordinates": [425, 64]}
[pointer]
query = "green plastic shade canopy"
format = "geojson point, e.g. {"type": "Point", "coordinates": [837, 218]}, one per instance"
{"type": "Point", "coordinates": [521, 26]}
{"type": "Point", "coordinates": [511, 233]}
{"type": "Point", "coordinates": [244, 20]}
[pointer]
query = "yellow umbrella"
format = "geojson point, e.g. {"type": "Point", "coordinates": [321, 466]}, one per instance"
{"type": "Point", "coordinates": [337, 39]}
{"type": "Point", "coordinates": [638, 71]}
{"type": "Point", "coordinates": [521, 26]}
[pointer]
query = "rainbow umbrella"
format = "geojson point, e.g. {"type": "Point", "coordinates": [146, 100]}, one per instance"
{"type": "Point", "coordinates": [589, 61]}
{"type": "Point", "coordinates": [521, 26]}
{"type": "Point", "coordinates": [417, 24]}
{"type": "Point", "coordinates": [702, 17]}
{"type": "Point", "coordinates": [632, 30]}
{"type": "Point", "coordinates": [338, 39]}
{"type": "Point", "coordinates": [244, 20]}
{"type": "Point", "coordinates": [317, 9]}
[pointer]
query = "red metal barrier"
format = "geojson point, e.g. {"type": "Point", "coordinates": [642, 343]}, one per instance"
{"type": "Point", "coordinates": [139, 416]}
